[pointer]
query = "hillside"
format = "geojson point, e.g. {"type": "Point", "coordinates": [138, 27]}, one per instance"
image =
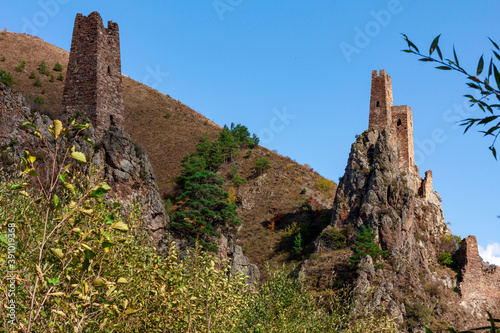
{"type": "Point", "coordinates": [288, 192]}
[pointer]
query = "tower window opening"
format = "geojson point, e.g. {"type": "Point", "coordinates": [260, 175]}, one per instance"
{"type": "Point", "coordinates": [399, 122]}
{"type": "Point", "coordinates": [378, 103]}
{"type": "Point", "coordinates": [109, 70]}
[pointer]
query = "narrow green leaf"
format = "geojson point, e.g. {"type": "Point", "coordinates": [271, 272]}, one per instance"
{"type": "Point", "coordinates": [444, 68]}
{"type": "Point", "coordinates": [494, 44]}
{"type": "Point", "coordinates": [27, 123]}
{"type": "Point", "coordinates": [480, 66]}
{"type": "Point", "coordinates": [496, 55]}
{"type": "Point", "coordinates": [425, 59]}
{"type": "Point", "coordinates": [3, 239]}
{"type": "Point", "coordinates": [37, 134]}
{"type": "Point", "coordinates": [434, 44]}
{"type": "Point", "coordinates": [455, 56]}
{"type": "Point", "coordinates": [439, 53]}
{"type": "Point", "coordinates": [497, 76]}
{"type": "Point", "coordinates": [84, 138]}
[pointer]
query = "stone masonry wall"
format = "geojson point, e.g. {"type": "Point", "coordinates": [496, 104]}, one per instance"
{"type": "Point", "coordinates": [426, 187]}
{"type": "Point", "coordinates": [384, 114]}
{"type": "Point", "coordinates": [380, 101]}
{"type": "Point", "coordinates": [402, 120]}
{"type": "Point", "coordinates": [94, 82]}
{"type": "Point", "coordinates": [479, 283]}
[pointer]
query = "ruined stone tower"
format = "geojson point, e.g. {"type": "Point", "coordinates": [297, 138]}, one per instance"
{"type": "Point", "coordinates": [384, 114]}
{"type": "Point", "coordinates": [94, 81]}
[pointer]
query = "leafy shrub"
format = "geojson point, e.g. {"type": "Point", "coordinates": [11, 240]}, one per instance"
{"type": "Point", "coordinates": [283, 304]}
{"type": "Point", "coordinates": [324, 184]}
{"type": "Point", "coordinates": [365, 245]}
{"type": "Point", "coordinates": [334, 238]}
{"type": "Point", "coordinates": [237, 180]}
{"type": "Point", "coordinates": [249, 153]}
{"type": "Point", "coordinates": [58, 67]}
{"type": "Point", "coordinates": [450, 243]}
{"type": "Point", "coordinates": [303, 191]}
{"type": "Point", "coordinates": [446, 259]}
{"type": "Point", "coordinates": [38, 100]}
{"type": "Point", "coordinates": [262, 164]}
{"type": "Point", "coordinates": [6, 78]}
{"type": "Point", "coordinates": [21, 66]}
{"type": "Point", "coordinates": [60, 77]}
{"type": "Point", "coordinates": [42, 68]}
{"type": "Point", "coordinates": [37, 83]}
{"type": "Point", "coordinates": [232, 196]}
{"type": "Point", "coordinates": [32, 75]}
{"type": "Point", "coordinates": [2, 59]}
{"type": "Point", "coordinates": [167, 115]}
{"type": "Point", "coordinates": [80, 263]}
{"type": "Point", "coordinates": [51, 78]}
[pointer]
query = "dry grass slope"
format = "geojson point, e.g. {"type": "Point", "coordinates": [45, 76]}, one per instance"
{"type": "Point", "coordinates": [168, 139]}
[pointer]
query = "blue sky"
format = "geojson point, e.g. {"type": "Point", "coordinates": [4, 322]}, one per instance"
{"type": "Point", "coordinates": [297, 73]}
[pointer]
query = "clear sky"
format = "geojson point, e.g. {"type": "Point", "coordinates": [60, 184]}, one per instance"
{"type": "Point", "coordinates": [297, 73]}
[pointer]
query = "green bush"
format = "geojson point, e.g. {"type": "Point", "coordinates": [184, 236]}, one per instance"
{"type": "Point", "coordinates": [58, 67]}
{"type": "Point", "coordinates": [6, 78]}
{"type": "Point", "coordinates": [262, 164]}
{"type": "Point", "coordinates": [365, 245]}
{"type": "Point", "coordinates": [32, 75]}
{"type": "Point", "coordinates": [60, 77]}
{"type": "Point", "coordinates": [42, 68]}
{"type": "Point", "coordinates": [80, 263]}
{"type": "Point", "coordinates": [52, 78]}
{"type": "Point", "coordinates": [21, 66]}
{"type": "Point", "coordinates": [334, 238]}
{"type": "Point", "coordinates": [37, 83]}
{"type": "Point", "coordinates": [283, 304]}
{"type": "Point", "coordinates": [2, 59]}
{"type": "Point", "coordinates": [38, 100]}
{"type": "Point", "coordinates": [237, 180]}
{"type": "Point", "coordinates": [446, 259]}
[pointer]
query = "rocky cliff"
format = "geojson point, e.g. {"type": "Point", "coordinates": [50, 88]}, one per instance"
{"type": "Point", "coordinates": [125, 165]}
{"type": "Point", "coordinates": [410, 285]}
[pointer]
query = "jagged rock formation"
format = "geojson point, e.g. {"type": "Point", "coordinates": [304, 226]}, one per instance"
{"type": "Point", "coordinates": [380, 192]}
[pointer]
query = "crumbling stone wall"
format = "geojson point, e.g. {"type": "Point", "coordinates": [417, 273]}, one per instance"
{"type": "Point", "coordinates": [479, 282]}
{"type": "Point", "coordinates": [93, 80]}
{"type": "Point", "coordinates": [384, 114]}
{"type": "Point", "coordinates": [426, 187]}
{"type": "Point", "coordinates": [380, 101]}
{"type": "Point", "coordinates": [402, 120]}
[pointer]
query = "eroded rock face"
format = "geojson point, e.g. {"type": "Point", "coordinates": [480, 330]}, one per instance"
{"type": "Point", "coordinates": [406, 214]}
{"type": "Point", "coordinates": [126, 166]}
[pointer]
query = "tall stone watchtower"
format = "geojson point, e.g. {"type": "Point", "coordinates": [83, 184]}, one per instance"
{"type": "Point", "coordinates": [94, 79]}
{"type": "Point", "coordinates": [398, 117]}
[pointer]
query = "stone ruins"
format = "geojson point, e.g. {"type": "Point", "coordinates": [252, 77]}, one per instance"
{"type": "Point", "coordinates": [94, 78]}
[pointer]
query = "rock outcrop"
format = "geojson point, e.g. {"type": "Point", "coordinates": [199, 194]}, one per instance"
{"type": "Point", "coordinates": [126, 165]}
{"type": "Point", "coordinates": [411, 285]}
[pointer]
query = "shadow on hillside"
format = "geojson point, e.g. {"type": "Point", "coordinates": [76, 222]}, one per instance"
{"type": "Point", "coordinates": [306, 221]}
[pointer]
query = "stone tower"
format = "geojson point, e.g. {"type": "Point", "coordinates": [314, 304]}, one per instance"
{"type": "Point", "coordinates": [94, 79]}
{"type": "Point", "coordinates": [399, 117]}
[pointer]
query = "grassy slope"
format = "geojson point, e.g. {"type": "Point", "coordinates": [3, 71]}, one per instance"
{"type": "Point", "coordinates": [168, 140]}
